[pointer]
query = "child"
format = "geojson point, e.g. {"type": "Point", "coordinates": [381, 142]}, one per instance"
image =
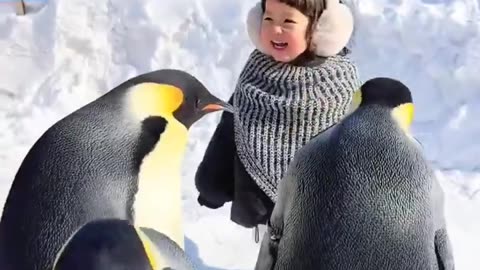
{"type": "Point", "coordinates": [296, 84]}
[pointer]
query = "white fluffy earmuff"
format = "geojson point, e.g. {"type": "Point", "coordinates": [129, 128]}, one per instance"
{"type": "Point", "coordinates": [331, 34]}
{"type": "Point", "coordinates": [254, 24]}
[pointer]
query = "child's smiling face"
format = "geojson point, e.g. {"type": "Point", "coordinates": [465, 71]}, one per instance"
{"type": "Point", "coordinates": [283, 32]}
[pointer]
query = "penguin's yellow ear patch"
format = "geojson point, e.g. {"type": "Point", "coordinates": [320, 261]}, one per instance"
{"type": "Point", "coordinates": [357, 97]}
{"type": "Point", "coordinates": [356, 100]}
{"type": "Point", "coordinates": [404, 115]}
{"type": "Point", "coordinates": [154, 99]}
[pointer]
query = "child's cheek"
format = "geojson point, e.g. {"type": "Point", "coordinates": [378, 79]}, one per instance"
{"type": "Point", "coordinates": [297, 44]}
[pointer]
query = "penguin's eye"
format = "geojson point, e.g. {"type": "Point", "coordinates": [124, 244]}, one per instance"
{"type": "Point", "coordinates": [274, 238]}
{"type": "Point", "coordinates": [274, 232]}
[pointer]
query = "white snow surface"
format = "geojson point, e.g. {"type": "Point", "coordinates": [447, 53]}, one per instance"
{"type": "Point", "coordinates": [63, 54]}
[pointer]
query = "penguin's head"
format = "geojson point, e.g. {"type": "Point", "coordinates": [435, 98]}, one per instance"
{"type": "Point", "coordinates": [172, 94]}
{"type": "Point", "coordinates": [106, 244]}
{"type": "Point", "coordinates": [388, 93]}
{"type": "Point", "coordinates": [115, 244]}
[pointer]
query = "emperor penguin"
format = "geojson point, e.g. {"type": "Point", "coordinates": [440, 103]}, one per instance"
{"type": "Point", "coordinates": [119, 156]}
{"type": "Point", "coordinates": [116, 244]}
{"type": "Point", "coordinates": [361, 195]}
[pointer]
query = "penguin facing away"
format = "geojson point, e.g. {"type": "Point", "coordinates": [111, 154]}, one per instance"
{"type": "Point", "coordinates": [114, 244]}
{"type": "Point", "coordinates": [117, 157]}
{"type": "Point", "coordinates": [361, 195]}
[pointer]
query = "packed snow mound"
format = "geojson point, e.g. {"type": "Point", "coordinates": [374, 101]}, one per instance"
{"type": "Point", "coordinates": [63, 54]}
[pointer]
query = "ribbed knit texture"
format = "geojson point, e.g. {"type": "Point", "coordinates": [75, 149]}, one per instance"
{"type": "Point", "coordinates": [281, 107]}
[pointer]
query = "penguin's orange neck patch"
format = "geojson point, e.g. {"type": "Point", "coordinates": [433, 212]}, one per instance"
{"type": "Point", "coordinates": [153, 99]}
{"type": "Point", "coordinates": [158, 202]}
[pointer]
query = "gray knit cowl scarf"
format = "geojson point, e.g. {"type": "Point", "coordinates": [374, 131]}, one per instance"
{"type": "Point", "coordinates": [281, 107]}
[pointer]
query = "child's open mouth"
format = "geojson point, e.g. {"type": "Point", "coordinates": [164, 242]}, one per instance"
{"type": "Point", "coordinates": [279, 45]}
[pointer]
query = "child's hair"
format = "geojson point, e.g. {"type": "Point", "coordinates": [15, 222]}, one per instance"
{"type": "Point", "coordinates": [313, 9]}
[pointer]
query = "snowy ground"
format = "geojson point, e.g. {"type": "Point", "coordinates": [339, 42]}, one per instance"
{"type": "Point", "coordinates": [66, 53]}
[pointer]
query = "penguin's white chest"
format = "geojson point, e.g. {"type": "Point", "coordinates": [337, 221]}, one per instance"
{"type": "Point", "coordinates": [158, 202]}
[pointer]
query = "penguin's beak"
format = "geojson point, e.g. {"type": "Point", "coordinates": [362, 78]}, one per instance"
{"type": "Point", "coordinates": [218, 106]}
{"type": "Point", "coordinates": [213, 104]}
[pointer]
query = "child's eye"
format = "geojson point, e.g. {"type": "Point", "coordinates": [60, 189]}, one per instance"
{"type": "Point", "coordinates": [290, 21]}
{"type": "Point", "coordinates": [267, 19]}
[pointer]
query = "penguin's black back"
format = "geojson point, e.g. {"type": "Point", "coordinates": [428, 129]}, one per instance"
{"type": "Point", "coordinates": [357, 199]}
{"type": "Point", "coordinates": [83, 168]}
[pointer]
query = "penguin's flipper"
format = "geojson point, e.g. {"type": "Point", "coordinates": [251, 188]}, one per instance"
{"type": "Point", "coordinates": [443, 250]}
{"type": "Point", "coordinates": [267, 255]}
{"type": "Point", "coordinates": [171, 255]}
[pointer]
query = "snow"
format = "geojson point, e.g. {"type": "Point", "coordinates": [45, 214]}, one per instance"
{"type": "Point", "coordinates": [63, 54]}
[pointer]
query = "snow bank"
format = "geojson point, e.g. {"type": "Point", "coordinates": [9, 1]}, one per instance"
{"type": "Point", "coordinates": [66, 53]}
{"type": "Point", "coordinates": [434, 47]}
